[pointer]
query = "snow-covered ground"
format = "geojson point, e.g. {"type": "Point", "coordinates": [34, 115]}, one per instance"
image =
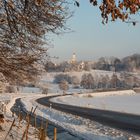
{"type": "Point", "coordinates": [86, 129]}
{"type": "Point", "coordinates": [18, 129]}
{"type": "Point", "coordinates": [122, 101]}
{"type": "Point", "coordinates": [29, 90]}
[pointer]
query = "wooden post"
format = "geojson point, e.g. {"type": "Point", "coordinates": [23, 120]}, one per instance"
{"type": "Point", "coordinates": [42, 134]}
{"type": "Point", "coordinates": [35, 120]}
{"type": "Point", "coordinates": [13, 114]}
{"type": "Point", "coordinates": [55, 133]}
{"type": "Point", "coordinates": [42, 123]}
{"type": "Point", "coordinates": [47, 124]}
{"type": "Point", "coordinates": [22, 138]}
{"type": "Point", "coordinates": [46, 127]}
{"type": "Point", "coordinates": [20, 117]}
{"type": "Point", "coordinates": [9, 129]}
{"type": "Point", "coordinates": [4, 109]}
{"type": "Point", "coordinates": [2, 106]}
{"type": "Point", "coordinates": [31, 109]}
{"type": "Point", "coordinates": [26, 116]}
{"type": "Point", "coordinates": [28, 124]}
{"type": "Point", "coordinates": [35, 109]}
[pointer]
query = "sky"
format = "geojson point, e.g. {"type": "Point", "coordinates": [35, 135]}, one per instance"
{"type": "Point", "coordinates": [90, 39]}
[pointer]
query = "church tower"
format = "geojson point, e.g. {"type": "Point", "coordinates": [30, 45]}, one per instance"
{"type": "Point", "coordinates": [73, 60]}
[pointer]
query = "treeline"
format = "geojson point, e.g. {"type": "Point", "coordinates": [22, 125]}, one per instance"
{"type": "Point", "coordinates": [74, 80]}
{"type": "Point", "coordinates": [88, 81]}
{"type": "Point", "coordinates": [130, 63]}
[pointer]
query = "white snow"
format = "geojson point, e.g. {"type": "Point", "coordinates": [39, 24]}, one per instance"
{"type": "Point", "coordinates": [84, 128]}
{"type": "Point", "coordinates": [17, 130]}
{"type": "Point", "coordinates": [29, 90]}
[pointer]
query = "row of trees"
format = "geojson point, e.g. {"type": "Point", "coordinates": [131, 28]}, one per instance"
{"type": "Point", "coordinates": [106, 82]}
{"type": "Point", "coordinates": [88, 81]}
{"type": "Point", "coordinates": [130, 63]}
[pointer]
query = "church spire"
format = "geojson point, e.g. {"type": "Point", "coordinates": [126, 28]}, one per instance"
{"type": "Point", "coordinates": [73, 60]}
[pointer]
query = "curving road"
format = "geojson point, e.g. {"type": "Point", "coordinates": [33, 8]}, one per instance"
{"type": "Point", "coordinates": [123, 121]}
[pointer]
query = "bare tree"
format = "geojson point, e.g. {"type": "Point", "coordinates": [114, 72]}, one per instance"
{"type": "Point", "coordinates": [115, 81]}
{"type": "Point", "coordinates": [64, 85]}
{"type": "Point", "coordinates": [104, 82]}
{"type": "Point", "coordinates": [87, 81]}
{"type": "Point", "coordinates": [60, 77]}
{"type": "Point", "coordinates": [75, 81]}
{"type": "Point", "coordinates": [24, 25]}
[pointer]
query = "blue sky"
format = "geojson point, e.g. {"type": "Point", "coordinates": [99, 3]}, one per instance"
{"type": "Point", "coordinates": [91, 39]}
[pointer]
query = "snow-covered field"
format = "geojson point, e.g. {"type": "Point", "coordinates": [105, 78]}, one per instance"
{"type": "Point", "coordinates": [84, 128]}
{"type": "Point", "coordinates": [122, 101]}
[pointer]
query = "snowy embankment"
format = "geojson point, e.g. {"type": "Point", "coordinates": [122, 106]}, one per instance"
{"type": "Point", "coordinates": [18, 128]}
{"type": "Point", "coordinates": [86, 129]}
{"type": "Point", "coordinates": [122, 101]}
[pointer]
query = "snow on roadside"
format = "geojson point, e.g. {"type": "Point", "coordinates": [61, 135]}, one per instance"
{"type": "Point", "coordinates": [17, 130]}
{"type": "Point", "coordinates": [84, 128]}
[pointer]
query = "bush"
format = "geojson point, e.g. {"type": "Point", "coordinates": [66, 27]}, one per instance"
{"type": "Point", "coordinates": [10, 89]}
{"type": "Point", "coordinates": [45, 91]}
{"type": "Point", "coordinates": [75, 81]}
{"type": "Point", "coordinates": [64, 86]}
{"type": "Point", "coordinates": [60, 77]}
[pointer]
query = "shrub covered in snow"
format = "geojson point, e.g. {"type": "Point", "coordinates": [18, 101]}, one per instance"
{"type": "Point", "coordinates": [60, 77]}
{"type": "Point", "coordinates": [10, 89]}
{"type": "Point", "coordinates": [64, 86]}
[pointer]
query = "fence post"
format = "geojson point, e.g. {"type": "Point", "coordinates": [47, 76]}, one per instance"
{"type": "Point", "coordinates": [42, 134]}
{"type": "Point", "coordinates": [35, 120]}
{"type": "Point", "coordinates": [28, 124]}
{"type": "Point", "coordinates": [55, 133]}
{"type": "Point", "coordinates": [20, 117]}
{"type": "Point", "coordinates": [9, 129]}
{"type": "Point", "coordinates": [46, 127]}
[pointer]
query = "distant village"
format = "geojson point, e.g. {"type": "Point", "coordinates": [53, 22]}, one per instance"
{"type": "Point", "coordinates": [129, 63]}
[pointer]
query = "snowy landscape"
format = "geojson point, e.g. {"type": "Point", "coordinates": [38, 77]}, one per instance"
{"type": "Point", "coordinates": [69, 71]}
{"type": "Point", "coordinates": [126, 101]}
{"type": "Point", "coordinates": [84, 128]}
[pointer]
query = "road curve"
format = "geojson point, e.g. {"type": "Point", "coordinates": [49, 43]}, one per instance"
{"type": "Point", "coordinates": [123, 121]}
